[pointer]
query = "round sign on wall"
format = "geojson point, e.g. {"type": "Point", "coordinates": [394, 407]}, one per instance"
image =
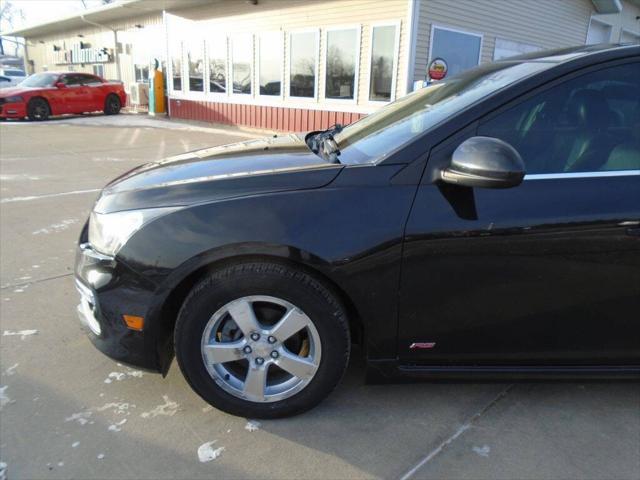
{"type": "Point", "coordinates": [437, 69]}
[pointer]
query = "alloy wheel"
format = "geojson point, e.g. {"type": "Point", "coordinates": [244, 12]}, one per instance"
{"type": "Point", "coordinates": [261, 348]}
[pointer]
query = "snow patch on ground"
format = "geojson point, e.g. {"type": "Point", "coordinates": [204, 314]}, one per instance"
{"type": "Point", "coordinates": [252, 426]}
{"type": "Point", "coordinates": [206, 452]}
{"type": "Point", "coordinates": [483, 451]}
{"type": "Point", "coordinates": [81, 417]}
{"type": "Point", "coordinates": [4, 398]}
{"type": "Point", "coordinates": [75, 444]}
{"type": "Point", "coordinates": [116, 427]}
{"type": "Point", "coordinates": [119, 376]}
{"type": "Point", "coordinates": [119, 408]}
{"type": "Point", "coordinates": [11, 370]}
{"type": "Point", "coordinates": [21, 333]}
{"type": "Point", "coordinates": [56, 227]}
{"type": "Point", "coordinates": [168, 408]}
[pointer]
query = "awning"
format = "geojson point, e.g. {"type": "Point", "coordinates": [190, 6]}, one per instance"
{"type": "Point", "coordinates": [105, 14]}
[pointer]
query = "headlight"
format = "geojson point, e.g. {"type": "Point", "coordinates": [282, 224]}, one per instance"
{"type": "Point", "coordinates": [110, 231]}
{"type": "Point", "coordinates": [14, 99]}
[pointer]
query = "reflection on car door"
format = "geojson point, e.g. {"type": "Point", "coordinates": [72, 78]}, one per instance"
{"type": "Point", "coordinates": [547, 272]}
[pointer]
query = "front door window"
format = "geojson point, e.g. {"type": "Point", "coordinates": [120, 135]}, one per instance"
{"type": "Point", "coordinates": [588, 124]}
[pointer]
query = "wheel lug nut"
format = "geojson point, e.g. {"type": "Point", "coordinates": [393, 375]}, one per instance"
{"type": "Point", "coordinates": [255, 337]}
{"type": "Point", "coordinates": [259, 360]}
{"type": "Point", "coordinates": [275, 354]}
{"type": "Point", "coordinates": [247, 349]}
{"type": "Point", "coordinates": [271, 339]}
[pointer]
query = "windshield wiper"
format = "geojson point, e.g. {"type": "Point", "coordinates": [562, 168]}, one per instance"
{"type": "Point", "coordinates": [324, 144]}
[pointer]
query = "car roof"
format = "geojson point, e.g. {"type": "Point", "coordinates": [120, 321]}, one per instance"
{"type": "Point", "coordinates": [68, 73]}
{"type": "Point", "coordinates": [560, 55]}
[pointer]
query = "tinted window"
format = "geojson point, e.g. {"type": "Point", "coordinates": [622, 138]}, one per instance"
{"type": "Point", "coordinates": [217, 50]}
{"type": "Point", "coordinates": [270, 63]}
{"type": "Point", "coordinates": [590, 123]}
{"type": "Point", "coordinates": [72, 80]}
{"type": "Point", "coordinates": [90, 80]}
{"type": "Point", "coordinates": [341, 63]}
{"type": "Point", "coordinates": [303, 58]}
{"type": "Point", "coordinates": [383, 51]}
{"type": "Point", "coordinates": [242, 53]}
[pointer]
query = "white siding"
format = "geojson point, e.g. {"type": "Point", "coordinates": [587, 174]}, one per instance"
{"type": "Point", "coordinates": [545, 23]}
{"type": "Point", "coordinates": [286, 15]}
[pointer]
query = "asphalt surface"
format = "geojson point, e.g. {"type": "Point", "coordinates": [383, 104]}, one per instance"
{"type": "Point", "coordinates": [69, 412]}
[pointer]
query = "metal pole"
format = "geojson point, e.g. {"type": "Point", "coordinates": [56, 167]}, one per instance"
{"type": "Point", "coordinates": [117, 55]}
{"type": "Point", "coordinates": [115, 38]}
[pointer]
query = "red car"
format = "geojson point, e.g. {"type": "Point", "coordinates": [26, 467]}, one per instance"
{"type": "Point", "coordinates": [55, 93]}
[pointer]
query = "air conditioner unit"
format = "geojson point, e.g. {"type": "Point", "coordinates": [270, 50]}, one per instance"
{"type": "Point", "coordinates": [139, 94]}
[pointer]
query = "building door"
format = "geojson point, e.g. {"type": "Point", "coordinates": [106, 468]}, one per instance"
{"type": "Point", "coordinates": [461, 50]}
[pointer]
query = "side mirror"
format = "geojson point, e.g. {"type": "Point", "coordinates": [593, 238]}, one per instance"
{"type": "Point", "coordinates": [60, 85]}
{"type": "Point", "coordinates": [484, 162]}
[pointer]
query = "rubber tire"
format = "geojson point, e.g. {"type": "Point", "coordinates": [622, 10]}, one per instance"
{"type": "Point", "coordinates": [31, 107]}
{"type": "Point", "coordinates": [278, 280]}
{"type": "Point", "coordinates": [108, 110]}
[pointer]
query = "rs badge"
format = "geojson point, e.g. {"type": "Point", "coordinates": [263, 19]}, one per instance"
{"type": "Point", "coordinates": [422, 345]}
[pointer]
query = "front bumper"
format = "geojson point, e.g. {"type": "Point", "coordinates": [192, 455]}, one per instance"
{"type": "Point", "coordinates": [13, 110]}
{"type": "Point", "coordinates": [108, 290]}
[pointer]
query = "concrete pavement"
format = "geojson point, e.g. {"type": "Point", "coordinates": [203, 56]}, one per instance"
{"type": "Point", "coordinates": [69, 412]}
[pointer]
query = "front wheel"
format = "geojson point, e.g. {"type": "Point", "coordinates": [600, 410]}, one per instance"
{"type": "Point", "coordinates": [38, 109]}
{"type": "Point", "coordinates": [112, 105]}
{"type": "Point", "coordinates": [262, 340]}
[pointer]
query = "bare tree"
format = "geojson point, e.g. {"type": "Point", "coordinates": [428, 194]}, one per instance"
{"type": "Point", "coordinates": [9, 14]}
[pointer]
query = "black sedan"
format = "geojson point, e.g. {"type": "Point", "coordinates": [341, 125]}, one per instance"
{"type": "Point", "coordinates": [486, 225]}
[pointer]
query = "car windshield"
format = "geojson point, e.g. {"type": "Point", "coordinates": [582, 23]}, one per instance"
{"type": "Point", "coordinates": [14, 73]}
{"type": "Point", "coordinates": [39, 80]}
{"type": "Point", "coordinates": [376, 136]}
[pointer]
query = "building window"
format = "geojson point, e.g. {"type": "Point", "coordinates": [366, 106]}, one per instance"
{"type": "Point", "coordinates": [195, 62]}
{"type": "Point", "coordinates": [270, 63]}
{"type": "Point", "coordinates": [461, 50]}
{"type": "Point", "coordinates": [241, 59]}
{"type": "Point", "coordinates": [509, 48]}
{"type": "Point", "coordinates": [383, 55]}
{"type": "Point", "coordinates": [217, 51]}
{"type": "Point", "coordinates": [341, 64]}
{"type": "Point", "coordinates": [141, 73]}
{"type": "Point", "coordinates": [599, 32]}
{"type": "Point", "coordinates": [176, 66]}
{"type": "Point", "coordinates": [303, 61]}
{"type": "Point", "coordinates": [98, 70]}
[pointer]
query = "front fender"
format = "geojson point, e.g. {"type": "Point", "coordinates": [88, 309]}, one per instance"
{"type": "Point", "coordinates": [351, 232]}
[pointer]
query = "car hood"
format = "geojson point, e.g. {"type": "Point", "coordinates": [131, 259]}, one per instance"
{"type": "Point", "coordinates": [18, 90]}
{"type": "Point", "coordinates": [280, 163]}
